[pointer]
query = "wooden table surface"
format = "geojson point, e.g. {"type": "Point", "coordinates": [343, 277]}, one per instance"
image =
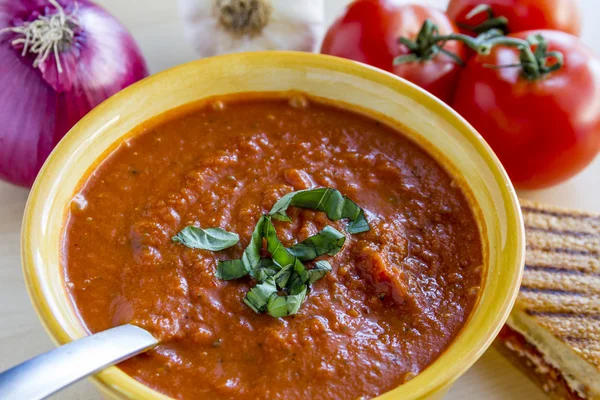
{"type": "Point", "coordinates": [157, 29]}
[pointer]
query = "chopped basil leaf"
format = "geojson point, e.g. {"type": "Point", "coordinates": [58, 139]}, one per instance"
{"type": "Point", "coordinates": [311, 198]}
{"type": "Point", "coordinates": [282, 277]}
{"type": "Point", "coordinates": [351, 210]}
{"type": "Point", "coordinates": [277, 306]}
{"type": "Point", "coordinates": [281, 306]}
{"type": "Point", "coordinates": [328, 241]}
{"type": "Point", "coordinates": [251, 256]}
{"type": "Point", "coordinates": [294, 301]}
{"type": "Point", "coordinates": [284, 270]}
{"type": "Point", "coordinates": [359, 225]}
{"type": "Point", "coordinates": [356, 215]}
{"type": "Point", "coordinates": [300, 269]}
{"type": "Point", "coordinates": [231, 269]}
{"type": "Point", "coordinates": [258, 297]}
{"type": "Point", "coordinates": [278, 252]}
{"type": "Point", "coordinates": [268, 263]}
{"type": "Point", "coordinates": [330, 201]}
{"type": "Point", "coordinates": [213, 239]}
{"type": "Point", "coordinates": [265, 268]}
{"type": "Point", "coordinates": [278, 211]}
{"type": "Point", "coordinates": [262, 274]}
{"type": "Point", "coordinates": [320, 269]}
{"type": "Point", "coordinates": [295, 284]}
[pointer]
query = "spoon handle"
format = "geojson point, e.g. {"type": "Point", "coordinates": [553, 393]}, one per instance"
{"type": "Point", "coordinates": [47, 373]}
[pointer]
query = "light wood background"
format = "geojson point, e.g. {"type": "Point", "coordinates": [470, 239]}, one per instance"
{"type": "Point", "coordinates": [157, 28]}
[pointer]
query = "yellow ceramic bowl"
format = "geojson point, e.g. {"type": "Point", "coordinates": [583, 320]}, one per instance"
{"type": "Point", "coordinates": [451, 140]}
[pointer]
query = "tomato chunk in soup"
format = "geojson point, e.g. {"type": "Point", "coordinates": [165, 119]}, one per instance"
{"type": "Point", "coordinates": [397, 295]}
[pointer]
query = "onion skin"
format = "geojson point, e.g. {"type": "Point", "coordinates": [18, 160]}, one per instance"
{"type": "Point", "coordinates": [38, 106]}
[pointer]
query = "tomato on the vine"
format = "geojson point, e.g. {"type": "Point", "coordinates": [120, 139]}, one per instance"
{"type": "Point", "coordinates": [540, 114]}
{"type": "Point", "coordinates": [364, 33]}
{"type": "Point", "coordinates": [369, 32]}
{"type": "Point", "coordinates": [522, 15]}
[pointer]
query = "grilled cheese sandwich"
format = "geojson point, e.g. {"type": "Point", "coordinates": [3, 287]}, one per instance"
{"type": "Point", "coordinates": [553, 333]}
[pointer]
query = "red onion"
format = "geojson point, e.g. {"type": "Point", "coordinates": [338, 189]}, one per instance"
{"type": "Point", "coordinates": [58, 60]}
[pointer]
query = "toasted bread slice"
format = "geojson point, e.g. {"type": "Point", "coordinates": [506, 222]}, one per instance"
{"type": "Point", "coordinates": [553, 332]}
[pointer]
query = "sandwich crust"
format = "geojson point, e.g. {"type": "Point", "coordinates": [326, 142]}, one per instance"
{"type": "Point", "coordinates": [560, 299]}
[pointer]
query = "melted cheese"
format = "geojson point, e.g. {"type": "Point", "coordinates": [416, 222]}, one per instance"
{"type": "Point", "coordinates": [582, 377]}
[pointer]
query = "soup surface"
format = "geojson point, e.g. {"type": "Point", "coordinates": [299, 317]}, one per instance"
{"type": "Point", "coordinates": [395, 299]}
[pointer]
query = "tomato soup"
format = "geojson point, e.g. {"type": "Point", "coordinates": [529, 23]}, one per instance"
{"type": "Point", "coordinates": [396, 297]}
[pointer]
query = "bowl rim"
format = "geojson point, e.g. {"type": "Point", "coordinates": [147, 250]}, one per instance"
{"type": "Point", "coordinates": [116, 382]}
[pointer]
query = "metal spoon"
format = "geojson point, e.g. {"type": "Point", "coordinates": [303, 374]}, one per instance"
{"type": "Point", "coordinates": [50, 372]}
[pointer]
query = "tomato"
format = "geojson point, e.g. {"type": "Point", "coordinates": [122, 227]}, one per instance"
{"type": "Point", "coordinates": [364, 33]}
{"type": "Point", "coordinates": [522, 15]}
{"type": "Point", "coordinates": [369, 30]}
{"type": "Point", "coordinates": [439, 73]}
{"type": "Point", "coordinates": [543, 130]}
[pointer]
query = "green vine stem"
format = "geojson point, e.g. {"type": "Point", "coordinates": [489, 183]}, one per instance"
{"type": "Point", "coordinates": [476, 44]}
{"type": "Point", "coordinates": [429, 43]}
{"type": "Point", "coordinates": [533, 62]}
{"type": "Point", "coordinates": [426, 46]}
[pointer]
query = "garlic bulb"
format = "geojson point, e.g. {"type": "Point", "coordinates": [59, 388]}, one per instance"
{"type": "Point", "coordinates": [228, 26]}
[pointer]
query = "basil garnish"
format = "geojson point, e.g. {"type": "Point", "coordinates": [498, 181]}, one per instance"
{"type": "Point", "coordinates": [251, 256]}
{"type": "Point", "coordinates": [235, 269]}
{"type": "Point", "coordinates": [279, 253]}
{"type": "Point", "coordinates": [321, 268]}
{"type": "Point", "coordinates": [296, 284]}
{"type": "Point", "coordinates": [251, 263]}
{"type": "Point", "coordinates": [213, 239]}
{"type": "Point", "coordinates": [263, 297]}
{"type": "Point", "coordinates": [283, 276]}
{"type": "Point", "coordinates": [283, 272]}
{"type": "Point", "coordinates": [265, 268]}
{"type": "Point", "coordinates": [330, 201]}
{"type": "Point", "coordinates": [329, 241]}
{"type": "Point", "coordinates": [282, 306]}
{"type": "Point", "coordinates": [294, 301]}
{"type": "Point", "coordinates": [258, 297]}
{"type": "Point", "coordinates": [277, 306]}
{"type": "Point", "coordinates": [300, 270]}
{"type": "Point", "coordinates": [231, 269]}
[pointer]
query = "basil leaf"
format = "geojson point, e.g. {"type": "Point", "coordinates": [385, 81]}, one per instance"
{"type": "Point", "coordinates": [278, 252]}
{"type": "Point", "coordinates": [265, 268]}
{"type": "Point", "coordinates": [315, 199]}
{"type": "Point", "coordinates": [277, 306]}
{"type": "Point", "coordinates": [359, 225]}
{"type": "Point", "coordinates": [231, 269]}
{"type": "Point", "coordinates": [234, 269]}
{"type": "Point", "coordinates": [330, 201]}
{"type": "Point", "coordinates": [333, 204]}
{"type": "Point", "coordinates": [282, 277]}
{"type": "Point", "coordinates": [258, 297]}
{"type": "Point", "coordinates": [295, 284]}
{"type": "Point", "coordinates": [351, 210]}
{"type": "Point", "coordinates": [278, 211]}
{"type": "Point", "coordinates": [262, 274]}
{"type": "Point", "coordinates": [328, 241]}
{"type": "Point", "coordinates": [281, 306]}
{"type": "Point", "coordinates": [320, 269]}
{"type": "Point", "coordinates": [213, 239]}
{"type": "Point", "coordinates": [300, 269]}
{"type": "Point", "coordinates": [251, 256]}
{"type": "Point", "coordinates": [294, 301]}
{"type": "Point", "coordinates": [356, 215]}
